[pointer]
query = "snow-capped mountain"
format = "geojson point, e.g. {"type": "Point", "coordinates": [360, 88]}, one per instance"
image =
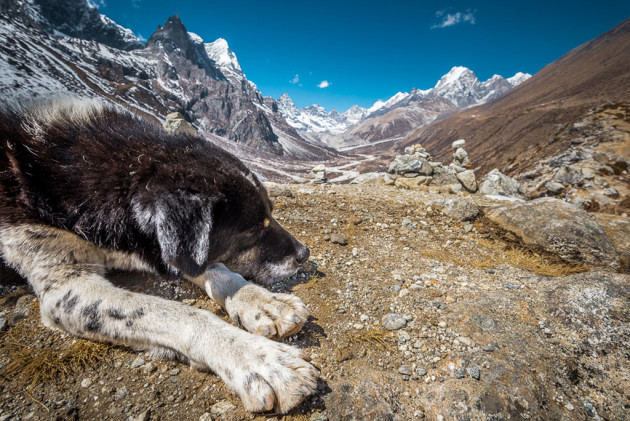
{"type": "Point", "coordinates": [67, 46]}
{"type": "Point", "coordinates": [457, 89]}
{"type": "Point", "coordinates": [315, 118]}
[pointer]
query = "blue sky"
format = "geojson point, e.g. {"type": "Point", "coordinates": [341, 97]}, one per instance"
{"type": "Point", "coordinates": [370, 50]}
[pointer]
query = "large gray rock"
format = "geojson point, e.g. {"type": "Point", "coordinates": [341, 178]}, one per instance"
{"type": "Point", "coordinates": [459, 209]}
{"type": "Point", "coordinates": [468, 180]}
{"type": "Point", "coordinates": [443, 176]}
{"type": "Point", "coordinates": [559, 228]}
{"type": "Point", "coordinates": [404, 164]}
{"type": "Point", "coordinates": [495, 183]}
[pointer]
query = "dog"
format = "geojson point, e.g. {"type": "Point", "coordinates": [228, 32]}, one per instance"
{"type": "Point", "coordinates": [87, 187]}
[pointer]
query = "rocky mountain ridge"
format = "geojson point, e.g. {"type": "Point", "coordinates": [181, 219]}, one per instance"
{"type": "Point", "coordinates": [87, 54]}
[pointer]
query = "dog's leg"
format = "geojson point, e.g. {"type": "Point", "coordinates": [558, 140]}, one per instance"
{"type": "Point", "coordinates": [76, 298]}
{"type": "Point", "coordinates": [255, 308]}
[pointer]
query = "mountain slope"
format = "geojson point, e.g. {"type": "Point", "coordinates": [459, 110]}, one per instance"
{"type": "Point", "coordinates": [521, 124]}
{"type": "Point", "coordinates": [89, 55]}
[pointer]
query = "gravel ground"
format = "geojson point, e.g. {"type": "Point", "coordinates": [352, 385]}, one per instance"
{"type": "Point", "coordinates": [415, 315]}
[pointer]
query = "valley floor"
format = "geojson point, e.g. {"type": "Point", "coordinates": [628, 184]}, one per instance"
{"type": "Point", "coordinates": [481, 327]}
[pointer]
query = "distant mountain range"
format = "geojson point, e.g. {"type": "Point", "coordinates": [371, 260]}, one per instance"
{"type": "Point", "coordinates": [520, 128]}
{"type": "Point", "coordinates": [456, 90]}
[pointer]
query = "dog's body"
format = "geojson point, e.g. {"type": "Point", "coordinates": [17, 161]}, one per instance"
{"type": "Point", "coordinates": [85, 188]}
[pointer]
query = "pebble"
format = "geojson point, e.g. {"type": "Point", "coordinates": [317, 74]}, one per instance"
{"type": "Point", "coordinates": [149, 368]}
{"type": "Point", "coordinates": [421, 371]}
{"type": "Point", "coordinates": [404, 369]}
{"type": "Point", "coordinates": [511, 287]}
{"type": "Point", "coordinates": [86, 382]}
{"type": "Point", "coordinates": [22, 308]}
{"type": "Point", "coordinates": [318, 416]}
{"type": "Point", "coordinates": [121, 393]}
{"type": "Point", "coordinates": [393, 321]}
{"type": "Point", "coordinates": [466, 341]}
{"type": "Point", "coordinates": [474, 372]}
{"type": "Point", "coordinates": [338, 239]}
{"type": "Point", "coordinates": [175, 379]}
{"type": "Point", "coordinates": [3, 324]}
{"type": "Point", "coordinates": [460, 372]}
{"type": "Point", "coordinates": [468, 228]}
{"type": "Point", "coordinates": [143, 416]}
{"type": "Point", "coordinates": [355, 220]}
{"type": "Point", "coordinates": [358, 326]}
{"type": "Point", "coordinates": [569, 407]}
{"type": "Point", "coordinates": [205, 417]}
{"type": "Point", "coordinates": [221, 408]}
{"type": "Point", "coordinates": [488, 348]}
{"type": "Point", "coordinates": [175, 372]}
{"type": "Point", "coordinates": [442, 325]}
{"type": "Point", "coordinates": [138, 362]}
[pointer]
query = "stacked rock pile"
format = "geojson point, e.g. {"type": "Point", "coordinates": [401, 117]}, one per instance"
{"type": "Point", "coordinates": [416, 168]}
{"type": "Point", "coordinates": [318, 175]}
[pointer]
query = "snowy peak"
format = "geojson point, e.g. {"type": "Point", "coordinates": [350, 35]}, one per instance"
{"type": "Point", "coordinates": [518, 78]}
{"type": "Point", "coordinates": [74, 18]}
{"type": "Point", "coordinates": [315, 118]}
{"type": "Point", "coordinates": [224, 58]}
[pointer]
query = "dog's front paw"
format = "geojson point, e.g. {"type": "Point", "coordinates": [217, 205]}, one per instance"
{"type": "Point", "coordinates": [271, 376]}
{"type": "Point", "coordinates": [265, 313]}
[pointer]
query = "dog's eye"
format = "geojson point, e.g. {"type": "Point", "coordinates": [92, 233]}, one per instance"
{"type": "Point", "coordinates": [266, 222]}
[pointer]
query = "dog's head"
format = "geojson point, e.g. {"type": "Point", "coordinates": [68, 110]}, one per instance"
{"type": "Point", "coordinates": [229, 222]}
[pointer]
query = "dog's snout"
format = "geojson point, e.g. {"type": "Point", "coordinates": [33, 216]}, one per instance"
{"type": "Point", "coordinates": [302, 253]}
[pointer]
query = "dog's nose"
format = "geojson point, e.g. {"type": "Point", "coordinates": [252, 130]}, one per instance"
{"type": "Point", "coordinates": [302, 253]}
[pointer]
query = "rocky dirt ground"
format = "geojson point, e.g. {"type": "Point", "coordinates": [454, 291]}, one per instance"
{"type": "Point", "coordinates": [415, 315]}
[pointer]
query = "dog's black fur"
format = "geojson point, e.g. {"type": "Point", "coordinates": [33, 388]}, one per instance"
{"type": "Point", "coordinates": [177, 201]}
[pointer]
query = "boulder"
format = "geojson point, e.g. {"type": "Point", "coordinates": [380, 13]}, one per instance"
{"type": "Point", "coordinates": [553, 187]}
{"type": "Point", "coordinates": [458, 209]}
{"type": "Point", "coordinates": [494, 183]}
{"type": "Point", "coordinates": [468, 180]}
{"type": "Point", "coordinates": [559, 228]}
{"type": "Point", "coordinates": [570, 175]}
{"type": "Point", "coordinates": [443, 176]}
{"type": "Point", "coordinates": [176, 123]}
{"type": "Point", "coordinates": [460, 158]}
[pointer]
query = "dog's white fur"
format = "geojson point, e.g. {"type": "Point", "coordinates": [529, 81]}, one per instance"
{"type": "Point", "coordinates": [66, 273]}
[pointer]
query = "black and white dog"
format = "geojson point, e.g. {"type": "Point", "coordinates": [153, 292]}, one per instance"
{"type": "Point", "coordinates": [86, 187]}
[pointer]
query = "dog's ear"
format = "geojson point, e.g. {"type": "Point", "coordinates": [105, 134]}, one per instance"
{"type": "Point", "coordinates": [183, 222]}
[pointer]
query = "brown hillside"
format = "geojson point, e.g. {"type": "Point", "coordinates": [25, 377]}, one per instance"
{"type": "Point", "coordinates": [525, 120]}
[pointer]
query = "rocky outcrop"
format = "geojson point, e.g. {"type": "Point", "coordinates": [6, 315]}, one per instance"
{"type": "Point", "coordinates": [559, 228]}
{"type": "Point", "coordinates": [176, 123]}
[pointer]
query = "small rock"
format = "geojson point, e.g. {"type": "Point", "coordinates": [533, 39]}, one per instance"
{"type": "Point", "coordinates": [488, 348]}
{"type": "Point", "coordinates": [22, 308]}
{"type": "Point", "coordinates": [355, 220]}
{"type": "Point", "coordinates": [149, 368]}
{"type": "Point", "coordinates": [569, 407]}
{"type": "Point", "coordinates": [174, 372]}
{"type": "Point", "coordinates": [460, 372]}
{"type": "Point", "coordinates": [338, 239]}
{"type": "Point", "coordinates": [459, 144]}
{"type": "Point", "coordinates": [174, 379]}
{"type": "Point", "coordinates": [466, 341]}
{"type": "Point", "coordinates": [358, 326]}
{"type": "Point", "coordinates": [221, 408]}
{"type": "Point", "coordinates": [408, 224]}
{"type": "Point", "coordinates": [474, 372]}
{"type": "Point", "coordinates": [3, 324]}
{"type": "Point", "coordinates": [421, 371]}
{"type": "Point", "coordinates": [393, 321]}
{"type": "Point", "coordinates": [138, 362]}
{"type": "Point", "coordinates": [468, 228]}
{"type": "Point", "coordinates": [404, 369]}
{"type": "Point", "coordinates": [86, 382]}
{"type": "Point", "coordinates": [442, 325]}
{"type": "Point", "coordinates": [205, 417]}
{"type": "Point", "coordinates": [121, 393]}
{"type": "Point", "coordinates": [318, 416]}
{"type": "Point", "coordinates": [143, 416]}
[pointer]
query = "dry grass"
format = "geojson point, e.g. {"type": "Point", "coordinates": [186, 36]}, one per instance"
{"type": "Point", "coordinates": [373, 338]}
{"type": "Point", "coordinates": [35, 365]}
{"type": "Point", "coordinates": [493, 253]}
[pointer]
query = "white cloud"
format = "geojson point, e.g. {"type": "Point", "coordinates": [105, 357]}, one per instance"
{"type": "Point", "coordinates": [451, 19]}
{"type": "Point", "coordinates": [296, 79]}
{"type": "Point", "coordinates": [323, 84]}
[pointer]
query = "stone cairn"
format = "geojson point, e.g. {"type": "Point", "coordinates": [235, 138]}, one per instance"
{"type": "Point", "coordinates": [417, 168]}
{"type": "Point", "coordinates": [318, 175]}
